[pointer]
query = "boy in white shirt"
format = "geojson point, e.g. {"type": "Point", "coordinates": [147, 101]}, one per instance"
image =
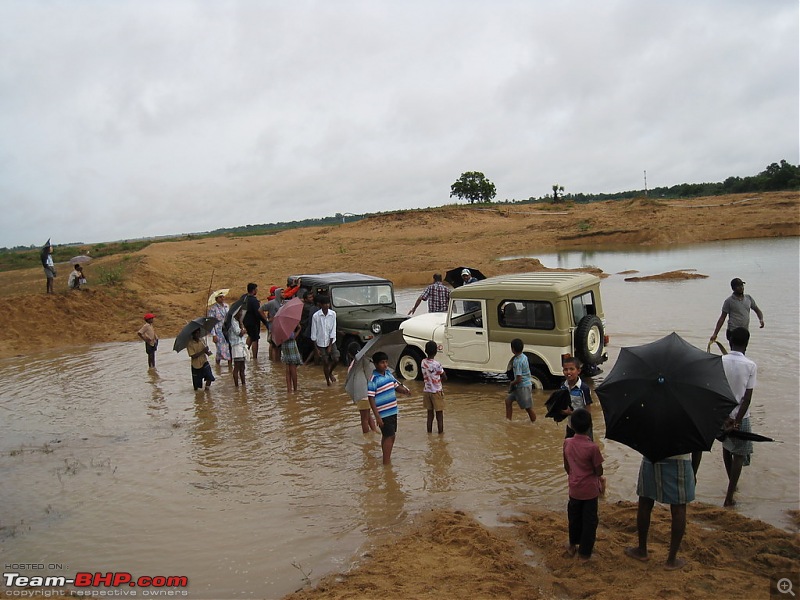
{"type": "Point", "coordinates": [432, 393]}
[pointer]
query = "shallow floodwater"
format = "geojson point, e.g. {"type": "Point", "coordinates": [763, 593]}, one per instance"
{"type": "Point", "coordinates": [108, 467]}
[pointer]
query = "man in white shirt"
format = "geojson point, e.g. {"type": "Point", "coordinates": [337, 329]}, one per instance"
{"type": "Point", "coordinates": [323, 334]}
{"type": "Point", "coordinates": [741, 374]}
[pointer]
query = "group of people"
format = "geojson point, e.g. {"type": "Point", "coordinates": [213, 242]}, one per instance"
{"type": "Point", "coordinates": [314, 337]}
{"type": "Point", "coordinates": [76, 280]}
{"type": "Point", "coordinates": [671, 481]}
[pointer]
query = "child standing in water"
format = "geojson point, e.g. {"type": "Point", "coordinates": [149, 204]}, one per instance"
{"type": "Point", "coordinates": [237, 336]}
{"type": "Point", "coordinates": [432, 393]}
{"type": "Point", "coordinates": [148, 334]}
{"type": "Point", "coordinates": [198, 351]}
{"type": "Point", "coordinates": [520, 390]}
{"type": "Point", "coordinates": [290, 357]}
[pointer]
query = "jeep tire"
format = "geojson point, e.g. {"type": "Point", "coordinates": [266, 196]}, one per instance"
{"type": "Point", "coordinates": [410, 364]}
{"type": "Point", "coordinates": [589, 340]}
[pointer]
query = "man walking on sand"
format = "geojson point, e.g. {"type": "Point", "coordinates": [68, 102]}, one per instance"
{"type": "Point", "coordinates": [737, 309]}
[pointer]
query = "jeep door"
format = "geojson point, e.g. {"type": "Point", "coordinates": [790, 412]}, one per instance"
{"type": "Point", "coordinates": [466, 339]}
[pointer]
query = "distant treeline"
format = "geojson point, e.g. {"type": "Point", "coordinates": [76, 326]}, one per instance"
{"type": "Point", "coordinates": [776, 177]}
{"type": "Point", "coordinates": [263, 228]}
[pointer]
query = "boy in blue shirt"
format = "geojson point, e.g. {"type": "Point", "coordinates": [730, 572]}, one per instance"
{"type": "Point", "coordinates": [383, 401]}
{"type": "Point", "coordinates": [521, 387]}
{"type": "Point", "coordinates": [580, 395]}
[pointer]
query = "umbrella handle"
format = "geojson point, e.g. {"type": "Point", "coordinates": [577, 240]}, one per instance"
{"type": "Point", "coordinates": [720, 346]}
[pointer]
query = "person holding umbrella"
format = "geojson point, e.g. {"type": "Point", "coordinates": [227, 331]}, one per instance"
{"type": "Point", "coordinates": [198, 351]}
{"type": "Point", "coordinates": [741, 374]}
{"type": "Point", "coordinates": [46, 256]}
{"type": "Point", "coordinates": [290, 357]}
{"type": "Point", "coordinates": [665, 399]}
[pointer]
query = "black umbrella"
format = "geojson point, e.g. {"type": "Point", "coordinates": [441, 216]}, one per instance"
{"type": "Point", "coordinates": [206, 324]}
{"type": "Point", "coordinates": [744, 435]}
{"type": "Point", "coordinates": [453, 276]}
{"type": "Point", "coordinates": [665, 398]}
{"type": "Point", "coordinates": [558, 401]}
{"type": "Point", "coordinates": [235, 308]}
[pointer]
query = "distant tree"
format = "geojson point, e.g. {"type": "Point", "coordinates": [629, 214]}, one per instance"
{"type": "Point", "coordinates": [474, 187]}
{"type": "Point", "coordinates": [558, 192]}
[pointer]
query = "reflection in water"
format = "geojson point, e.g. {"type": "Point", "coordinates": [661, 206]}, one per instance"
{"type": "Point", "coordinates": [437, 476]}
{"type": "Point", "coordinates": [231, 485]}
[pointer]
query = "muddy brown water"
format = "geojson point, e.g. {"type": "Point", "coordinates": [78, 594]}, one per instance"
{"type": "Point", "coordinates": [106, 467]}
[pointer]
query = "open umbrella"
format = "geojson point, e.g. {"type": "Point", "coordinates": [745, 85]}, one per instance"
{"type": "Point", "coordinates": [665, 398]}
{"type": "Point", "coordinates": [286, 320]}
{"type": "Point", "coordinates": [453, 276]}
{"type": "Point", "coordinates": [206, 324]}
{"type": "Point", "coordinates": [361, 370]}
{"type": "Point", "coordinates": [81, 259]}
{"type": "Point", "coordinates": [212, 299]}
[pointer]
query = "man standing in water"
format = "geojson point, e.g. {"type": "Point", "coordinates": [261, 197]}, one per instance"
{"type": "Point", "coordinates": [253, 318]}
{"type": "Point", "coordinates": [737, 309]}
{"type": "Point", "coordinates": [323, 334]}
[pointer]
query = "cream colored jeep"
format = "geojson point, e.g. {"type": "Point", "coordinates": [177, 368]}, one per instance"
{"type": "Point", "coordinates": [555, 314]}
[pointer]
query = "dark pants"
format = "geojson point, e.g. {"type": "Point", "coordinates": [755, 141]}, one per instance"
{"type": "Point", "coordinates": [203, 373]}
{"type": "Point", "coordinates": [582, 525]}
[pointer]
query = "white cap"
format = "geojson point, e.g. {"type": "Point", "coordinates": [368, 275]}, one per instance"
{"type": "Point", "coordinates": [466, 272]}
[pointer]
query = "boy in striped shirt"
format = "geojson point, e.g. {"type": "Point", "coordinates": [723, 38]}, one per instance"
{"type": "Point", "coordinates": [383, 401]}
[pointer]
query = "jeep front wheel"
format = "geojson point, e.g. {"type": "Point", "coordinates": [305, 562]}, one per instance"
{"type": "Point", "coordinates": [410, 363]}
{"type": "Point", "coordinates": [589, 340]}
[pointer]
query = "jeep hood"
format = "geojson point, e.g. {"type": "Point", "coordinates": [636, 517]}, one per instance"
{"type": "Point", "coordinates": [424, 327]}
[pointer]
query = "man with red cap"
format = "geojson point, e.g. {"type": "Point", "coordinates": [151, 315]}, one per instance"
{"type": "Point", "coordinates": [150, 338]}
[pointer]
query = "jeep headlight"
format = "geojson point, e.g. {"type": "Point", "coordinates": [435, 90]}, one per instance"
{"type": "Point", "coordinates": [376, 328]}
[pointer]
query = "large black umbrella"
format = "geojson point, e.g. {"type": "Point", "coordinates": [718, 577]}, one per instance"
{"type": "Point", "coordinates": [361, 370]}
{"type": "Point", "coordinates": [205, 324]}
{"type": "Point", "coordinates": [665, 398]}
{"type": "Point", "coordinates": [453, 276]}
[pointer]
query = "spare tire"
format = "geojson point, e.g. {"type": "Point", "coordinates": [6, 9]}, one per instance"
{"type": "Point", "coordinates": [589, 338]}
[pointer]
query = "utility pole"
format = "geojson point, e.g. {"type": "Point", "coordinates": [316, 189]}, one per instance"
{"type": "Point", "coordinates": [645, 183]}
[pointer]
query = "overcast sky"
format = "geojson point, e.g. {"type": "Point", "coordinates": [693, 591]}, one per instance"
{"type": "Point", "coordinates": [123, 119]}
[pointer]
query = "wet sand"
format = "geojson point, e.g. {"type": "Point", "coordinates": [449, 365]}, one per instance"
{"type": "Point", "coordinates": [451, 555]}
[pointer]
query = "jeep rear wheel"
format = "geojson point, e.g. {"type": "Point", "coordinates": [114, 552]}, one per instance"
{"type": "Point", "coordinates": [589, 340]}
{"type": "Point", "coordinates": [410, 363]}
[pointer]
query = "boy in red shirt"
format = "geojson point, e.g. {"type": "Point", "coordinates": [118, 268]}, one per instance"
{"type": "Point", "coordinates": [584, 466]}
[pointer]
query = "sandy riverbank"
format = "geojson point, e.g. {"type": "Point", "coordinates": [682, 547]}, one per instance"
{"type": "Point", "coordinates": [172, 279]}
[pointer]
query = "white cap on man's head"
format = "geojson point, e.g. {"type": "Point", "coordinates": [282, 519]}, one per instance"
{"type": "Point", "coordinates": [466, 272]}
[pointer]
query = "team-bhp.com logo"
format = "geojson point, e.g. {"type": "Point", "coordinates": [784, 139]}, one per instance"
{"type": "Point", "coordinates": [99, 580]}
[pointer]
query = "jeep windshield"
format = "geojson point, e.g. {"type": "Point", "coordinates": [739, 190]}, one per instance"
{"type": "Point", "coordinates": [362, 295]}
